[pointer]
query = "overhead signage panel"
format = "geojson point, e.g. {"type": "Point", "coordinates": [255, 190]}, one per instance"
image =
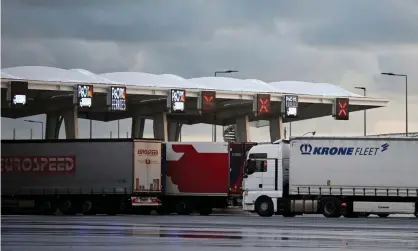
{"type": "Point", "coordinates": [83, 96]}
{"type": "Point", "coordinates": [177, 100]}
{"type": "Point", "coordinates": [207, 101]}
{"type": "Point", "coordinates": [116, 98]}
{"type": "Point", "coordinates": [290, 105]}
{"type": "Point", "coordinates": [262, 104]}
{"type": "Point", "coordinates": [17, 93]}
{"type": "Point", "coordinates": [340, 109]}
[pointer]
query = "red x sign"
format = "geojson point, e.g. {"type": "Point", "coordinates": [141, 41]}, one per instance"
{"type": "Point", "coordinates": [263, 103]}
{"type": "Point", "coordinates": [343, 109]}
{"type": "Point", "coordinates": [208, 103]}
{"type": "Point", "coordinates": [341, 112]}
{"type": "Point", "coordinates": [208, 99]}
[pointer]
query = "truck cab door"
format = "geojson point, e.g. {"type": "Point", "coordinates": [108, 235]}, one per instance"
{"type": "Point", "coordinates": [254, 173]}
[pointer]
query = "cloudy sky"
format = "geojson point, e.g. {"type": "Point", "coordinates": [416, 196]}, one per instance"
{"type": "Point", "coordinates": [347, 43]}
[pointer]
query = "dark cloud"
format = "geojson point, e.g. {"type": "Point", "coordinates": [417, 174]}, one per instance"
{"type": "Point", "coordinates": [342, 42]}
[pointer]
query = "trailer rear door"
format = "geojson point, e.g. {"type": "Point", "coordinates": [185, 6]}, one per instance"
{"type": "Point", "coordinates": [237, 156]}
{"type": "Point", "coordinates": [149, 166]}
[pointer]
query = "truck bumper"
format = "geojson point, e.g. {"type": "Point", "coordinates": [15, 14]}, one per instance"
{"type": "Point", "coordinates": [145, 202]}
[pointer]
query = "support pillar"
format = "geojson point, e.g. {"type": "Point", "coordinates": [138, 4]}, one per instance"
{"type": "Point", "coordinates": [276, 129]}
{"type": "Point", "coordinates": [137, 129]}
{"type": "Point", "coordinates": [174, 130]}
{"type": "Point", "coordinates": [71, 123]}
{"type": "Point", "coordinates": [242, 129]}
{"type": "Point", "coordinates": [52, 123]}
{"type": "Point", "coordinates": [160, 126]}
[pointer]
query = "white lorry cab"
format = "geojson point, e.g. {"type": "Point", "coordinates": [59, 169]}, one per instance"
{"type": "Point", "coordinates": [349, 176]}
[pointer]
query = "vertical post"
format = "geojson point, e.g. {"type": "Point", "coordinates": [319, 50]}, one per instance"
{"type": "Point", "coordinates": [127, 135]}
{"type": "Point", "coordinates": [365, 116]}
{"type": "Point", "coordinates": [214, 125]}
{"type": "Point", "coordinates": [406, 105]}
{"type": "Point", "coordinates": [91, 129]}
{"type": "Point", "coordinates": [14, 133]}
{"type": "Point", "coordinates": [290, 129]}
{"type": "Point", "coordinates": [118, 129]}
{"type": "Point", "coordinates": [31, 133]}
{"type": "Point", "coordinates": [42, 128]}
{"type": "Point", "coordinates": [110, 134]}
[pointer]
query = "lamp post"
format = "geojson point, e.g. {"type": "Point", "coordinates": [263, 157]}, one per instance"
{"type": "Point", "coordinates": [406, 96]}
{"type": "Point", "coordinates": [365, 116]}
{"type": "Point", "coordinates": [214, 126]}
{"type": "Point", "coordinates": [37, 122]}
{"type": "Point", "coordinates": [313, 133]}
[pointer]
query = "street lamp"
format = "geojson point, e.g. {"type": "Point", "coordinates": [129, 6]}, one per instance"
{"type": "Point", "coordinates": [313, 133]}
{"type": "Point", "coordinates": [214, 126]}
{"type": "Point", "coordinates": [365, 116]}
{"type": "Point", "coordinates": [406, 96]}
{"type": "Point", "coordinates": [38, 122]}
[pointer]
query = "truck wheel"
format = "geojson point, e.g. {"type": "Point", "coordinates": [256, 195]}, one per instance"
{"type": "Point", "coordinates": [46, 207]}
{"type": "Point", "coordinates": [264, 207]}
{"type": "Point", "coordinates": [66, 207]}
{"type": "Point", "coordinates": [331, 207]}
{"type": "Point", "coordinates": [87, 207]}
{"type": "Point", "coordinates": [383, 215]}
{"type": "Point", "coordinates": [183, 208]}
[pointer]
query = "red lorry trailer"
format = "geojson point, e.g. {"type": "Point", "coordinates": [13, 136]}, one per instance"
{"type": "Point", "coordinates": [116, 175]}
{"type": "Point", "coordinates": [203, 175]}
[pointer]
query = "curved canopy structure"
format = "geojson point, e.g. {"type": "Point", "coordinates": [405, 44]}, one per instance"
{"type": "Point", "coordinates": [52, 74]}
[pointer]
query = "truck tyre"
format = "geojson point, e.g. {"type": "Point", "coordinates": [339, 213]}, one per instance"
{"type": "Point", "coordinates": [66, 207]}
{"type": "Point", "coordinates": [264, 207]}
{"type": "Point", "coordinates": [45, 207]}
{"type": "Point", "coordinates": [183, 208]}
{"type": "Point", "coordinates": [331, 207]}
{"type": "Point", "coordinates": [383, 215]}
{"type": "Point", "coordinates": [87, 207]}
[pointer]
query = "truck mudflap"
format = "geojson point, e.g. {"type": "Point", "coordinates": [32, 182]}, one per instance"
{"type": "Point", "coordinates": [145, 201]}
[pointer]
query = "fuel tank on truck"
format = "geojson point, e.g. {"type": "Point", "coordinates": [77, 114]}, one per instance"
{"type": "Point", "coordinates": [197, 168]}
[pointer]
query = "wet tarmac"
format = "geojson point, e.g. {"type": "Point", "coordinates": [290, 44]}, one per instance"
{"type": "Point", "coordinates": [201, 233]}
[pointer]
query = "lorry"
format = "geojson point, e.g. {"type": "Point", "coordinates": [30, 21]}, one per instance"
{"type": "Point", "coordinates": [111, 176]}
{"type": "Point", "coordinates": [333, 176]}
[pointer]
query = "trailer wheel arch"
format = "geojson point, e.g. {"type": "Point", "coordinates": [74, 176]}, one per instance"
{"type": "Point", "coordinates": [264, 206]}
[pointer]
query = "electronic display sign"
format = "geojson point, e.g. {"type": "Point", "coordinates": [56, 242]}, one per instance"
{"type": "Point", "coordinates": [17, 93]}
{"type": "Point", "coordinates": [207, 101]}
{"type": "Point", "coordinates": [262, 103]}
{"type": "Point", "coordinates": [341, 109]}
{"type": "Point", "coordinates": [177, 100]}
{"type": "Point", "coordinates": [83, 96]}
{"type": "Point", "coordinates": [116, 98]}
{"type": "Point", "coordinates": [290, 105]}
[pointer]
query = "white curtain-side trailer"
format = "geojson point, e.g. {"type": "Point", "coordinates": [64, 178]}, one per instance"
{"type": "Point", "coordinates": [349, 176]}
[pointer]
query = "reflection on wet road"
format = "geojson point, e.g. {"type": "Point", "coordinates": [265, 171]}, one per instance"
{"type": "Point", "coordinates": [206, 233]}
